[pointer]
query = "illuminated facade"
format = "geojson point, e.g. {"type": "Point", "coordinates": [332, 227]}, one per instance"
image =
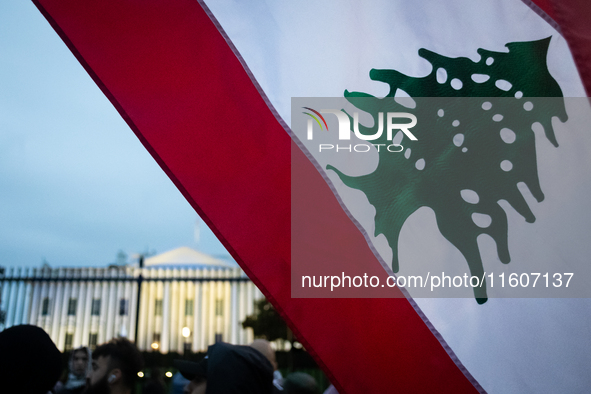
{"type": "Point", "coordinates": [188, 301]}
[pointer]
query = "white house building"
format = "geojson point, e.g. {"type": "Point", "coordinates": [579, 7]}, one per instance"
{"type": "Point", "coordinates": [187, 301]}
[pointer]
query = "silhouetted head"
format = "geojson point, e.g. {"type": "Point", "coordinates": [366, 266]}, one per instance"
{"type": "Point", "coordinates": [29, 360]}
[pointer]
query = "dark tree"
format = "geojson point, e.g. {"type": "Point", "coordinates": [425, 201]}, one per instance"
{"type": "Point", "coordinates": [266, 322]}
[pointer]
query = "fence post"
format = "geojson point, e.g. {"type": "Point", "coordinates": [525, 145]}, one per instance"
{"type": "Point", "coordinates": [139, 293]}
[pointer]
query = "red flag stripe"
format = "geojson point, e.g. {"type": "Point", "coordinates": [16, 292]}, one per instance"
{"type": "Point", "coordinates": [573, 18]}
{"type": "Point", "coordinates": [173, 78]}
{"type": "Point", "coordinates": [544, 6]}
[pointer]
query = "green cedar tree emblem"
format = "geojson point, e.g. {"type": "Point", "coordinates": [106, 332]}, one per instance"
{"type": "Point", "coordinates": [470, 153]}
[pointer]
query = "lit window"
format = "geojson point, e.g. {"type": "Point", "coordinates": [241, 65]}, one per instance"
{"type": "Point", "coordinates": [45, 307]}
{"type": "Point", "coordinates": [72, 303]}
{"type": "Point", "coordinates": [123, 307]}
{"type": "Point", "coordinates": [96, 307]}
{"type": "Point", "coordinates": [92, 340]}
{"type": "Point", "coordinates": [219, 307]}
{"type": "Point", "coordinates": [69, 340]}
{"type": "Point", "coordinates": [188, 307]}
{"type": "Point", "coordinates": [158, 308]}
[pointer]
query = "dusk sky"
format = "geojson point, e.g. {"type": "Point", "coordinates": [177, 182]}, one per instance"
{"type": "Point", "coordinates": [76, 185]}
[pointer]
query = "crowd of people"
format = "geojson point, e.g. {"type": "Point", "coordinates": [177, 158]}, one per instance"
{"type": "Point", "coordinates": [30, 363]}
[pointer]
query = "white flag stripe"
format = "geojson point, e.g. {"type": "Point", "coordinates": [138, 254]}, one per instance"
{"type": "Point", "coordinates": [311, 49]}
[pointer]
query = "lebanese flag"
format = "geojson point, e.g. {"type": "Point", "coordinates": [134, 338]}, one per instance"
{"type": "Point", "coordinates": [207, 88]}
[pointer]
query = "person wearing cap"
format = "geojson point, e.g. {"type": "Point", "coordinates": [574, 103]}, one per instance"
{"type": "Point", "coordinates": [115, 366]}
{"type": "Point", "coordinates": [228, 369]}
{"type": "Point", "coordinates": [29, 360]}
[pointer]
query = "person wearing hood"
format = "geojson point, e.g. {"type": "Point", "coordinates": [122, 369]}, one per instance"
{"type": "Point", "coordinates": [228, 369]}
{"type": "Point", "coordinates": [79, 367]}
{"type": "Point", "coordinates": [29, 360]}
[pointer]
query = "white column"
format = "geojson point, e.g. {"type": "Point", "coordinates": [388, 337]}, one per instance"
{"type": "Point", "coordinates": [119, 295]}
{"type": "Point", "coordinates": [97, 324]}
{"type": "Point", "coordinates": [86, 318]}
{"type": "Point", "coordinates": [221, 293]}
{"type": "Point", "coordinates": [190, 319]}
{"type": "Point", "coordinates": [74, 294]}
{"type": "Point", "coordinates": [20, 295]}
{"type": "Point", "coordinates": [131, 297]}
{"type": "Point", "coordinates": [166, 309]}
{"type": "Point", "coordinates": [181, 318]}
{"type": "Point", "coordinates": [103, 330]}
{"type": "Point", "coordinates": [17, 285]}
{"type": "Point", "coordinates": [80, 307]}
{"type": "Point", "coordinates": [24, 300]}
{"type": "Point", "coordinates": [131, 289]}
{"type": "Point", "coordinates": [173, 321]}
{"type": "Point", "coordinates": [227, 302]}
{"type": "Point", "coordinates": [205, 308]}
{"type": "Point", "coordinates": [219, 320]}
{"type": "Point", "coordinates": [142, 341]}
{"type": "Point", "coordinates": [111, 306]}
{"type": "Point", "coordinates": [29, 292]}
{"type": "Point", "coordinates": [115, 291]}
{"type": "Point", "coordinates": [159, 296]}
{"type": "Point", "coordinates": [46, 292]}
{"type": "Point", "coordinates": [197, 315]}
{"type": "Point", "coordinates": [63, 316]}
{"type": "Point", "coordinates": [249, 309]}
{"type": "Point", "coordinates": [6, 289]}
{"type": "Point", "coordinates": [152, 296]}
{"type": "Point", "coordinates": [57, 308]}
{"type": "Point", "coordinates": [219, 300]}
{"type": "Point", "coordinates": [212, 321]}
{"type": "Point", "coordinates": [241, 312]}
{"type": "Point", "coordinates": [123, 294]}
{"type": "Point", "coordinates": [35, 299]}
{"type": "Point", "coordinates": [234, 323]}
{"type": "Point", "coordinates": [33, 295]}
{"type": "Point", "coordinates": [5, 296]}
{"type": "Point", "coordinates": [12, 296]}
